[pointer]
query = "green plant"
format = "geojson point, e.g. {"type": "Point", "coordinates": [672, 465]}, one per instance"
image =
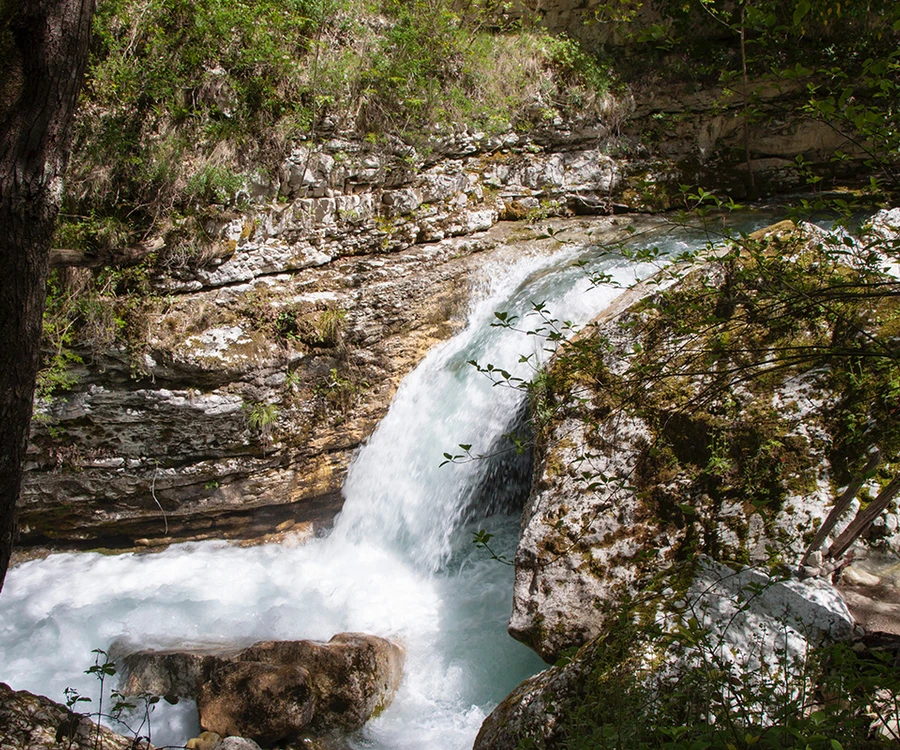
{"type": "Point", "coordinates": [214, 184]}
{"type": "Point", "coordinates": [122, 711]}
{"type": "Point", "coordinates": [88, 312]}
{"type": "Point", "coordinates": [544, 210]}
{"type": "Point", "coordinates": [338, 391]}
{"type": "Point", "coordinates": [262, 419]}
{"type": "Point", "coordinates": [329, 326]}
{"type": "Point", "coordinates": [292, 379]}
{"type": "Point", "coordinates": [674, 683]}
{"type": "Point", "coordinates": [576, 66]}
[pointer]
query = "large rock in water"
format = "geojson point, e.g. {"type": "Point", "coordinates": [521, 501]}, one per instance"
{"type": "Point", "coordinates": [277, 690]}
{"type": "Point", "coordinates": [33, 722]}
{"type": "Point", "coordinates": [354, 676]}
{"type": "Point", "coordinates": [265, 702]}
{"type": "Point", "coordinates": [754, 628]}
{"type": "Point", "coordinates": [626, 490]}
{"type": "Point", "coordinates": [650, 480]}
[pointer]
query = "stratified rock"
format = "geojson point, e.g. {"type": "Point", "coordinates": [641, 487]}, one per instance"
{"type": "Point", "coordinates": [354, 675]}
{"type": "Point", "coordinates": [33, 722]}
{"type": "Point", "coordinates": [314, 306]}
{"type": "Point", "coordinates": [264, 702]}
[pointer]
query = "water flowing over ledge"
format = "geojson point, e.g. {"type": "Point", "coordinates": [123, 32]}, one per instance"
{"type": "Point", "coordinates": [398, 563]}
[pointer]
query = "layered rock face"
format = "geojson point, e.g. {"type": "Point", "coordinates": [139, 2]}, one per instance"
{"type": "Point", "coordinates": [247, 382]}
{"type": "Point", "coordinates": [246, 405]}
{"type": "Point", "coordinates": [243, 378]}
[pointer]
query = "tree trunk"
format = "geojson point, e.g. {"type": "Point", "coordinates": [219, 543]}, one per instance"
{"type": "Point", "coordinates": [43, 52]}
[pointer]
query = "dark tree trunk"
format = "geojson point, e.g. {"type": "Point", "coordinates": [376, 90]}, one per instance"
{"type": "Point", "coordinates": [43, 52]}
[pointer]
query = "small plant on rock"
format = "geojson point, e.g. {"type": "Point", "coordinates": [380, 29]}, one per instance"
{"type": "Point", "coordinates": [262, 418]}
{"type": "Point", "coordinates": [122, 712]}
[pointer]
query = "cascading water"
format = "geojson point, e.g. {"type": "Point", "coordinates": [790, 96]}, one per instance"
{"type": "Point", "coordinates": [399, 562]}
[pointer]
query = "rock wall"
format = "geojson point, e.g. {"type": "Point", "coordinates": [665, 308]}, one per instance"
{"type": "Point", "coordinates": [269, 349]}
{"type": "Point", "coordinates": [260, 369]}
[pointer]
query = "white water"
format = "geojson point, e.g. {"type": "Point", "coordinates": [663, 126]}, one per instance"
{"type": "Point", "coordinates": [399, 562]}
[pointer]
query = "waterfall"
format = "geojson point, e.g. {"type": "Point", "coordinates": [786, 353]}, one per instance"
{"type": "Point", "coordinates": [398, 563]}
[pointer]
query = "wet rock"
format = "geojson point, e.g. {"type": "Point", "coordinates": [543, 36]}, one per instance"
{"type": "Point", "coordinates": [333, 687]}
{"type": "Point", "coordinates": [529, 711]}
{"type": "Point", "coordinates": [354, 676]}
{"type": "Point", "coordinates": [33, 722]}
{"type": "Point", "coordinates": [170, 674]}
{"type": "Point", "coordinates": [264, 702]}
{"type": "Point", "coordinates": [206, 741]}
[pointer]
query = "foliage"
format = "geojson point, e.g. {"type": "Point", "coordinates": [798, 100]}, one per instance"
{"type": "Point", "coordinates": [186, 101]}
{"type": "Point", "coordinates": [262, 418]}
{"type": "Point", "coordinates": [668, 683]}
{"type": "Point", "coordinates": [833, 63]}
{"type": "Point", "coordinates": [123, 709]}
{"type": "Point", "coordinates": [86, 314]}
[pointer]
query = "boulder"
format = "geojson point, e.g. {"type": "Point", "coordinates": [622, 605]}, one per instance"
{"type": "Point", "coordinates": [276, 689]}
{"type": "Point", "coordinates": [264, 702]}
{"type": "Point", "coordinates": [170, 674]}
{"type": "Point", "coordinates": [639, 501]}
{"type": "Point", "coordinates": [354, 675]}
{"type": "Point", "coordinates": [627, 493]}
{"type": "Point", "coordinates": [755, 629]}
{"type": "Point", "coordinates": [213, 741]}
{"type": "Point", "coordinates": [206, 741]}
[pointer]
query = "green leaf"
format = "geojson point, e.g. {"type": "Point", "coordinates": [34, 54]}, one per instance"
{"type": "Point", "coordinates": [800, 11]}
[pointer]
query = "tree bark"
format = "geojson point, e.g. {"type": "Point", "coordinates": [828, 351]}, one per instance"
{"type": "Point", "coordinates": [43, 53]}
